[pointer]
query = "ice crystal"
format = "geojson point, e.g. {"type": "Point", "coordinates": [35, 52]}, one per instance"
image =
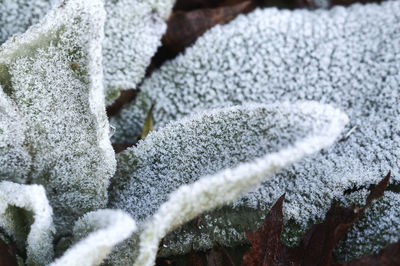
{"type": "Point", "coordinates": [98, 232]}
{"type": "Point", "coordinates": [53, 76]}
{"type": "Point", "coordinates": [133, 33]}
{"type": "Point", "coordinates": [21, 204]}
{"type": "Point", "coordinates": [347, 57]}
{"type": "Point", "coordinates": [235, 149]}
{"type": "Point", "coordinates": [14, 157]}
{"type": "Point", "coordinates": [17, 15]}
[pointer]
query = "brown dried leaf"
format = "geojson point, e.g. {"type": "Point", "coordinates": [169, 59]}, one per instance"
{"type": "Point", "coordinates": [378, 190]}
{"type": "Point", "coordinates": [126, 96]}
{"type": "Point", "coordinates": [194, 259]}
{"type": "Point", "coordinates": [7, 255]}
{"type": "Point", "coordinates": [218, 256]}
{"type": "Point", "coordinates": [267, 247]}
{"type": "Point", "coordinates": [186, 5]}
{"type": "Point", "coordinates": [185, 27]}
{"type": "Point", "coordinates": [318, 242]}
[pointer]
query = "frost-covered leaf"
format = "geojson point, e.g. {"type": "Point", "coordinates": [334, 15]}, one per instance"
{"type": "Point", "coordinates": [347, 57]}
{"type": "Point", "coordinates": [53, 76]}
{"type": "Point", "coordinates": [133, 33]}
{"type": "Point", "coordinates": [96, 233]}
{"type": "Point", "coordinates": [26, 216]}
{"type": "Point", "coordinates": [235, 148]}
{"type": "Point", "coordinates": [17, 15]}
{"type": "Point", "coordinates": [14, 157]}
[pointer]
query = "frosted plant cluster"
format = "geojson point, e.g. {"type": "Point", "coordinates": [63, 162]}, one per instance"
{"type": "Point", "coordinates": [133, 32]}
{"type": "Point", "coordinates": [226, 122]}
{"type": "Point", "coordinates": [346, 57]}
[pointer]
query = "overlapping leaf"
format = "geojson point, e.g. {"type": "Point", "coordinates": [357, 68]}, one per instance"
{"type": "Point", "coordinates": [52, 75]}
{"type": "Point", "coordinates": [233, 149]}
{"type": "Point", "coordinates": [20, 204]}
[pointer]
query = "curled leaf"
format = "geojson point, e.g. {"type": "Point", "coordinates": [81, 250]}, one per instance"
{"type": "Point", "coordinates": [22, 203]}
{"type": "Point", "coordinates": [98, 232]}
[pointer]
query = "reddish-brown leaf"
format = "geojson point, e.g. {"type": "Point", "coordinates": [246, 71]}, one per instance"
{"type": "Point", "coordinates": [185, 27]}
{"type": "Point", "coordinates": [125, 97]}
{"type": "Point", "coordinates": [378, 190]}
{"type": "Point", "coordinates": [194, 259]}
{"type": "Point", "coordinates": [318, 242]}
{"type": "Point", "coordinates": [7, 255]}
{"type": "Point", "coordinates": [186, 5]}
{"type": "Point", "coordinates": [350, 2]}
{"type": "Point", "coordinates": [121, 147]}
{"type": "Point", "coordinates": [267, 247]}
{"type": "Point", "coordinates": [218, 256]}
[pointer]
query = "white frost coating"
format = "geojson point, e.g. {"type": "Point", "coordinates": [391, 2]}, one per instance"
{"type": "Point", "coordinates": [228, 185]}
{"type": "Point", "coordinates": [39, 238]}
{"type": "Point", "coordinates": [204, 145]}
{"type": "Point", "coordinates": [14, 158]}
{"type": "Point", "coordinates": [133, 32]}
{"type": "Point", "coordinates": [53, 75]}
{"type": "Point", "coordinates": [100, 231]}
{"type": "Point", "coordinates": [346, 57]}
{"type": "Point", "coordinates": [17, 15]}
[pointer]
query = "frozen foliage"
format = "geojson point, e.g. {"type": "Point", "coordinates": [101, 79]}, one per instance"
{"type": "Point", "coordinates": [97, 233]}
{"type": "Point", "coordinates": [22, 204]}
{"type": "Point", "coordinates": [234, 148]}
{"type": "Point", "coordinates": [53, 76]}
{"type": "Point", "coordinates": [347, 57]}
{"type": "Point", "coordinates": [133, 33]}
{"type": "Point", "coordinates": [14, 158]}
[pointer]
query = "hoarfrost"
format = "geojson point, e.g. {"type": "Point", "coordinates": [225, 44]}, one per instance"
{"type": "Point", "coordinates": [20, 204]}
{"type": "Point", "coordinates": [133, 33]}
{"type": "Point", "coordinates": [248, 144]}
{"type": "Point", "coordinates": [346, 57]}
{"type": "Point", "coordinates": [14, 157]}
{"type": "Point", "coordinates": [53, 75]}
